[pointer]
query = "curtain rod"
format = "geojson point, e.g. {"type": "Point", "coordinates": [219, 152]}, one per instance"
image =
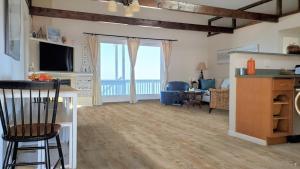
{"type": "Point", "coordinates": [127, 36]}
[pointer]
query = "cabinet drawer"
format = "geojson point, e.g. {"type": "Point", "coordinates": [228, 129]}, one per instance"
{"type": "Point", "coordinates": [283, 84]}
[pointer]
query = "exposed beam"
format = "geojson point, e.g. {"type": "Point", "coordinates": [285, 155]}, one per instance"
{"type": "Point", "coordinates": [212, 34]}
{"type": "Point", "coordinates": [234, 24]}
{"type": "Point", "coordinates": [57, 13]}
{"type": "Point", "coordinates": [29, 3]}
{"type": "Point", "coordinates": [257, 22]}
{"type": "Point", "coordinates": [206, 10]}
{"type": "Point", "coordinates": [279, 8]}
{"type": "Point", "coordinates": [245, 8]}
{"type": "Point", "coordinates": [216, 11]}
{"type": "Point", "coordinates": [209, 33]}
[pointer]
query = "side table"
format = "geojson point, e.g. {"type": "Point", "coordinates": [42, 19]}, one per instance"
{"type": "Point", "coordinates": [193, 97]}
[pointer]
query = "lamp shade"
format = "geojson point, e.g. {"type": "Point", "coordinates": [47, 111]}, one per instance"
{"type": "Point", "coordinates": [128, 12]}
{"type": "Point", "coordinates": [135, 6]}
{"type": "Point", "coordinates": [112, 6]}
{"type": "Point", "coordinates": [201, 66]}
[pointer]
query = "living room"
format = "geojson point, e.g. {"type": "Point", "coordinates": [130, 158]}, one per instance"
{"type": "Point", "coordinates": [117, 65]}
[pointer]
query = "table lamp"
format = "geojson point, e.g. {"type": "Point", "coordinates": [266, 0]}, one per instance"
{"type": "Point", "coordinates": [201, 66]}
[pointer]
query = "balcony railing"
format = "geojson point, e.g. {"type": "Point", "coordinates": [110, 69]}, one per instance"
{"type": "Point", "coordinates": [122, 87]}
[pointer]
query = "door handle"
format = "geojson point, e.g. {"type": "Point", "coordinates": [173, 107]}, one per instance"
{"type": "Point", "coordinates": [296, 105]}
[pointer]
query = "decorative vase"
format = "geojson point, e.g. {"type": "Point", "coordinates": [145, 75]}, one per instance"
{"type": "Point", "coordinates": [251, 67]}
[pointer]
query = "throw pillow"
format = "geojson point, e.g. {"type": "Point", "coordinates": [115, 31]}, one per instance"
{"type": "Point", "coordinates": [225, 84]}
{"type": "Point", "coordinates": [208, 84]}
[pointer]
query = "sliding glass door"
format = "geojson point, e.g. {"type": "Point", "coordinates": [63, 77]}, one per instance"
{"type": "Point", "coordinates": [115, 72]}
{"type": "Point", "coordinates": [148, 72]}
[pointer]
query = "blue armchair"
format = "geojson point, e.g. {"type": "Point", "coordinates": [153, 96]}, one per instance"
{"type": "Point", "coordinates": [172, 94]}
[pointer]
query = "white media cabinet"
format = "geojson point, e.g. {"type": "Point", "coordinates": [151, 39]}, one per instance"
{"type": "Point", "coordinates": [83, 82]}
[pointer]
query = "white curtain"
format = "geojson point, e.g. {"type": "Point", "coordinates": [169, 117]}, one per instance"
{"type": "Point", "coordinates": [167, 50]}
{"type": "Point", "coordinates": [133, 47]}
{"type": "Point", "coordinates": [94, 54]}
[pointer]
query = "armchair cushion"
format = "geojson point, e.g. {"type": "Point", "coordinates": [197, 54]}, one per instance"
{"type": "Point", "coordinates": [172, 95]}
{"type": "Point", "coordinates": [225, 84]}
{"type": "Point", "coordinates": [205, 96]}
{"type": "Point", "coordinates": [177, 86]}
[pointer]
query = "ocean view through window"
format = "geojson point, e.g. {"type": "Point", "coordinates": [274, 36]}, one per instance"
{"type": "Point", "coordinates": [115, 72]}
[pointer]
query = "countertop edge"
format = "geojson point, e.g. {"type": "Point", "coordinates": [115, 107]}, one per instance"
{"type": "Point", "coordinates": [264, 53]}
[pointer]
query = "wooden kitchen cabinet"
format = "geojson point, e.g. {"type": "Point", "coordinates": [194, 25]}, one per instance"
{"type": "Point", "coordinates": [264, 108]}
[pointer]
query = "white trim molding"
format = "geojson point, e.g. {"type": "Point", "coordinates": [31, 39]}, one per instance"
{"type": "Point", "coordinates": [247, 138]}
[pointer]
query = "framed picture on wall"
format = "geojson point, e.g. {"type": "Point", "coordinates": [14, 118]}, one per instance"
{"type": "Point", "coordinates": [53, 34]}
{"type": "Point", "coordinates": [12, 28]}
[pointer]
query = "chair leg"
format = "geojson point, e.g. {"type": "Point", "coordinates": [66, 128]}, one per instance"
{"type": "Point", "coordinates": [14, 155]}
{"type": "Point", "coordinates": [47, 155]}
{"type": "Point", "coordinates": [7, 155]}
{"type": "Point", "coordinates": [61, 156]}
{"type": "Point", "coordinates": [210, 109]}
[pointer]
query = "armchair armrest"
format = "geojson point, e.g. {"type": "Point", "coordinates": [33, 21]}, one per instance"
{"type": "Point", "coordinates": [219, 90]}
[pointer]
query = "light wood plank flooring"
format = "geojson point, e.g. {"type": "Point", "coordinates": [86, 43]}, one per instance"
{"type": "Point", "coordinates": [148, 135]}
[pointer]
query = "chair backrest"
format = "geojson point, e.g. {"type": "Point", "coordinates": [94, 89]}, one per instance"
{"type": "Point", "coordinates": [27, 103]}
{"type": "Point", "coordinates": [177, 86]}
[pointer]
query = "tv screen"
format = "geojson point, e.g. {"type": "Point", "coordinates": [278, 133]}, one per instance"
{"type": "Point", "coordinates": [56, 57]}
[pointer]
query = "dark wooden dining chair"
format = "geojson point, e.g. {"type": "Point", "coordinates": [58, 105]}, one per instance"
{"type": "Point", "coordinates": [23, 120]}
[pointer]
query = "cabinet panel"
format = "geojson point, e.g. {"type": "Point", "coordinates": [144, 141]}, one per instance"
{"type": "Point", "coordinates": [283, 84]}
{"type": "Point", "coordinates": [264, 108]}
{"type": "Point", "coordinates": [254, 99]}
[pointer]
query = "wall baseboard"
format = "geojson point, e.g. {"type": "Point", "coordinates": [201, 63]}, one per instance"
{"type": "Point", "coordinates": [247, 138]}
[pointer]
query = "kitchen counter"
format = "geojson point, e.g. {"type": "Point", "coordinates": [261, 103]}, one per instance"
{"type": "Point", "coordinates": [264, 53]}
{"type": "Point", "coordinates": [267, 76]}
{"type": "Point", "coordinates": [267, 73]}
{"type": "Point", "coordinates": [270, 64]}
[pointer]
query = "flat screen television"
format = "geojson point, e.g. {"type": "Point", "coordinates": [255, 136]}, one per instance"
{"type": "Point", "coordinates": [56, 57]}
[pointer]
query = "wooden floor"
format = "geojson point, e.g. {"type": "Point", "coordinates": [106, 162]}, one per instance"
{"type": "Point", "coordinates": [148, 135]}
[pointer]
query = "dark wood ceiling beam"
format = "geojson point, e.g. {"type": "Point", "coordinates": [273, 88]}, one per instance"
{"type": "Point", "coordinates": [29, 3]}
{"type": "Point", "coordinates": [279, 8]}
{"type": "Point", "coordinates": [212, 34]}
{"type": "Point", "coordinates": [207, 10]}
{"type": "Point", "coordinates": [234, 24]}
{"type": "Point", "coordinates": [57, 13]}
{"type": "Point", "coordinates": [245, 8]}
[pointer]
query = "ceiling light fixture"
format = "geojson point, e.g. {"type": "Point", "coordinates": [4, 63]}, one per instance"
{"type": "Point", "coordinates": [131, 6]}
{"type": "Point", "coordinates": [128, 11]}
{"type": "Point", "coordinates": [112, 6]}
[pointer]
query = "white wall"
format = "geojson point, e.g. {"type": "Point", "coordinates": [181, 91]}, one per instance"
{"type": "Point", "coordinates": [267, 35]}
{"type": "Point", "coordinates": [290, 36]}
{"type": "Point", "coordinates": [10, 68]}
{"type": "Point", "coordinates": [190, 49]}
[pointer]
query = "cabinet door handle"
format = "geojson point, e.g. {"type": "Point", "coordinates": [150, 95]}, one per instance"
{"type": "Point", "coordinates": [296, 105]}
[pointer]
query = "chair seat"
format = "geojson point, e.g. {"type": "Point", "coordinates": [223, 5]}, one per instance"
{"type": "Point", "coordinates": [34, 132]}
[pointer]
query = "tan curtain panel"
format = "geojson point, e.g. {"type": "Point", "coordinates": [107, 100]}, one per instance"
{"type": "Point", "coordinates": [167, 50]}
{"type": "Point", "coordinates": [133, 46]}
{"type": "Point", "coordinates": [93, 44]}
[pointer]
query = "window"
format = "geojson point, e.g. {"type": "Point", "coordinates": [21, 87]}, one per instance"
{"type": "Point", "coordinates": [115, 71]}
{"type": "Point", "coordinates": [147, 70]}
